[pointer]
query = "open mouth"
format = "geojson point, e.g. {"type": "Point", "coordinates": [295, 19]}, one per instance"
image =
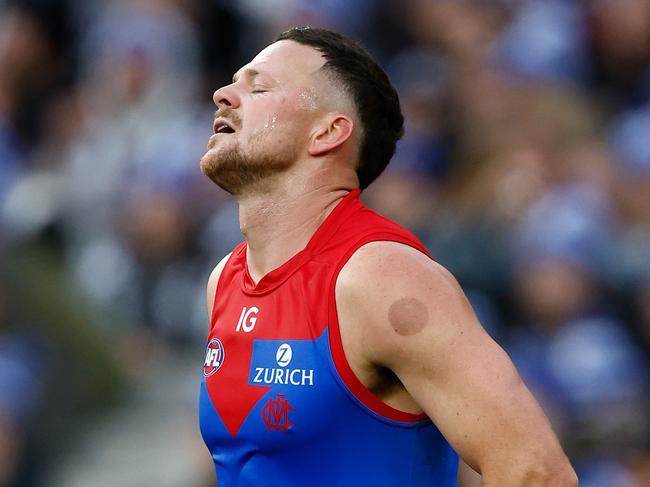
{"type": "Point", "coordinates": [221, 126]}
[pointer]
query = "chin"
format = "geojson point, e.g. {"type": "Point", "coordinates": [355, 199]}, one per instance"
{"type": "Point", "coordinates": [209, 161]}
{"type": "Point", "coordinates": [204, 163]}
{"type": "Point", "coordinates": [235, 171]}
{"type": "Point", "coordinates": [216, 166]}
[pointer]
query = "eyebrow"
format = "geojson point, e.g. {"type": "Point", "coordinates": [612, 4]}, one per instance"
{"type": "Point", "coordinates": [248, 73]}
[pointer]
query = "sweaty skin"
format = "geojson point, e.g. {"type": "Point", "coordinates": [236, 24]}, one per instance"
{"type": "Point", "coordinates": [408, 316]}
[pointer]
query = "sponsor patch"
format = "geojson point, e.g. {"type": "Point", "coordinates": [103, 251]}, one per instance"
{"type": "Point", "coordinates": [276, 362]}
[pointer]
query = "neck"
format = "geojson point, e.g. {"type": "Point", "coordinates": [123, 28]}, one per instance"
{"type": "Point", "coordinates": [279, 223]}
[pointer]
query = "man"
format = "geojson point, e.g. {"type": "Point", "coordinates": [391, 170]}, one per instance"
{"type": "Point", "coordinates": [339, 353]}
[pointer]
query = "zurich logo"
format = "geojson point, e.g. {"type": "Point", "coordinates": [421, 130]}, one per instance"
{"type": "Point", "coordinates": [283, 355]}
{"type": "Point", "coordinates": [214, 356]}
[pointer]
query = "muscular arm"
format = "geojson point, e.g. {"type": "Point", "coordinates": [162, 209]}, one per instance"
{"type": "Point", "coordinates": [406, 313]}
{"type": "Point", "coordinates": [212, 284]}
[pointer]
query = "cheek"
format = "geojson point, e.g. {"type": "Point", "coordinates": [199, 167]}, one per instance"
{"type": "Point", "coordinates": [265, 127]}
{"type": "Point", "coordinates": [284, 126]}
{"type": "Point", "coordinates": [271, 122]}
{"type": "Point", "coordinates": [280, 122]}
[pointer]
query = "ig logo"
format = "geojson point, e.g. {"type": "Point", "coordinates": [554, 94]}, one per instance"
{"type": "Point", "coordinates": [247, 319]}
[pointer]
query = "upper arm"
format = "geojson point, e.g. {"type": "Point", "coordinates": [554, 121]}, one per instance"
{"type": "Point", "coordinates": [213, 280]}
{"type": "Point", "coordinates": [415, 320]}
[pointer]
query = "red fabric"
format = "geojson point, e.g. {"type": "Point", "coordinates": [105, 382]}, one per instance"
{"type": "Point", "coordinates": [296, 301]}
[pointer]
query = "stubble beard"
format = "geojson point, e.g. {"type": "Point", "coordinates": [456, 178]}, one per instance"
{"type": "Point", "coordinates": [236, 172]}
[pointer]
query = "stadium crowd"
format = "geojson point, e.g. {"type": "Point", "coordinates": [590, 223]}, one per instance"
{"type": "Point", "coordinates": [525, 169]}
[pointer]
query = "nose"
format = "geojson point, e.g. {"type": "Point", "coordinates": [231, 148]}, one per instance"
{"type": "Point", "coordinates": [226, 96]}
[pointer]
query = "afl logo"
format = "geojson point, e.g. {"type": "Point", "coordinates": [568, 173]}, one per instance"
{"type": "Point", "coordinates": [283, 355]}
{"type": "Point", "coordinates": [213, 357]}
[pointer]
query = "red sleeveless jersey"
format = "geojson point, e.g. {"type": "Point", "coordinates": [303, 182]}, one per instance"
{"type": "Point", "coordinates": [279, 402]}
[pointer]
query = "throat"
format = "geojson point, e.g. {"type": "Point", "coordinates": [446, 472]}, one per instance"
{"type": "Point", "coordinates": [277, 230]}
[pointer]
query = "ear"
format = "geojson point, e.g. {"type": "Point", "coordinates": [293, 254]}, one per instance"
{"type": "Point", "coordinates": [332, 133]}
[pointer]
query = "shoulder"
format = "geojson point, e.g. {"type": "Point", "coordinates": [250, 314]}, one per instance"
{"type": "Point", "coordinates": [213, 280]}
{"type": "Point", "coordinates": [392, 268]}
{"type": "Point", "coordinates": [399, 298]}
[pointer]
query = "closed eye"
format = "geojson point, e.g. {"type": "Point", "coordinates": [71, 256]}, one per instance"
{"type": "Point", "coordinates": [259, 91]}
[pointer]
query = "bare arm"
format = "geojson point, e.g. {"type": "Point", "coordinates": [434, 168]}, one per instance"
{"type": "Point", "coordinates": [212, 284]}
{"type": "Point", "coordinates": [410, 315]}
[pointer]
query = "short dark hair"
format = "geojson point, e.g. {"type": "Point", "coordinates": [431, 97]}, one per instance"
{"type": "Point", "coordinates": [373, 94]}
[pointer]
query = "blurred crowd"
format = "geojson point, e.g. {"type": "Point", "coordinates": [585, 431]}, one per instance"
{"type": "Point", "coordinates": [525, 169]}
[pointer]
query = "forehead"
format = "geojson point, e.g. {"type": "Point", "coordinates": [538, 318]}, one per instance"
{"type": "Point", "coordinates": [287, 61]}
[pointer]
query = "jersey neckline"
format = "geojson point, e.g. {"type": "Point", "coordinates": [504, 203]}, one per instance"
{"type": "Point", "coordinates": [321, 236]}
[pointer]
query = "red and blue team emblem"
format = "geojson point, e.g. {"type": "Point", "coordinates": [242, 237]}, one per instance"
{"type": "Point", "coordinates": [276, 414]}
{"type": "Point", "coordinates": [213, 357]}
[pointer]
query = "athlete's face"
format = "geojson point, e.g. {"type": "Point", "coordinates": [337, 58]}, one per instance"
{"type": "Point", "coordinates": [269, 108]}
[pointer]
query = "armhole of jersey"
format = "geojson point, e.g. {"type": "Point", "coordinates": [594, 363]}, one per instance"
{"type": "Point", "coordinates": [218, 287]}
{"type": "Point", "coordinates": [347, 376]}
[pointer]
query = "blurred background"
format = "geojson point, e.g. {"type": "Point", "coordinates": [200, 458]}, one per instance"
{"type": "Point", "coordinates": [525, 169]}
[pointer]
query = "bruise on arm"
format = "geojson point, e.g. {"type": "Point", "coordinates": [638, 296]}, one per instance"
{"type": "Point", "coordinates": [408, 316]}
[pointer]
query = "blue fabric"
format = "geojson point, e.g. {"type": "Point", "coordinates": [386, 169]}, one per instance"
{"type": "Point", "coordinates": [327, 437]}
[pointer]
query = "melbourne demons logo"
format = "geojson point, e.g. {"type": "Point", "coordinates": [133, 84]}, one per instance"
{"type": "Point", "coordinates": [213, 357]}
{"type": "Point", "coordinates": [276, 414]}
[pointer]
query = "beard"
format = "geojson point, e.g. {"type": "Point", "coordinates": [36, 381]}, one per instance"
{"type": "Point", "coordinates": [236, 172]}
